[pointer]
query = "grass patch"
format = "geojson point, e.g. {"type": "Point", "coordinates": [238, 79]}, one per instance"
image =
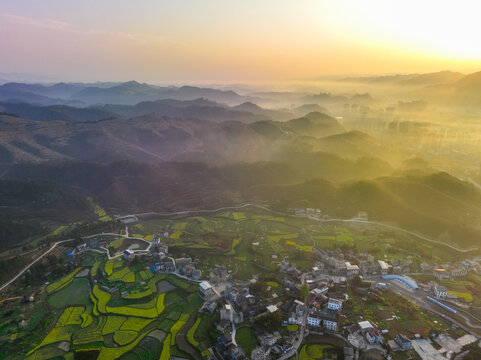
{"type": "Point", "coordinates": [279, 237]}
{"type": "Point", "coordinates": [75, 293]}
{"type": "Point", "coordinates": [59, 284]}
{"type": "Point", "coordinates": [292, 327]}
{"type": "Point", "coordinates": [246, 339]}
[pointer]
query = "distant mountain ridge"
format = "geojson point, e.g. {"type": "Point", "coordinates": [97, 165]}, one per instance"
{"type": "Point", "coordinates": [127, 93]}
{"type": "Point", "coordinates": [200, 108]}
{"type": "Point", "coordinates": [441, 77]}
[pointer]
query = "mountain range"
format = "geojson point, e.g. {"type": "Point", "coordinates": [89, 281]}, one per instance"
{"type": "Point", "coordinates": [128, 93]}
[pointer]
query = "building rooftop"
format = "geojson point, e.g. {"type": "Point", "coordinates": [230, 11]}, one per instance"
{"type": "Point", "coordinates": [205, 285]}
{"type": "Point", "coordinates": [335, 301]}
{"type": "Point", "coordinates": [383, 265]}
{"type": "Point", "coordinates": [365, 325]}
{"type": "Point", "coordinates": [272, 308]}
{"type": "Point", "coordinates": [350, 266]}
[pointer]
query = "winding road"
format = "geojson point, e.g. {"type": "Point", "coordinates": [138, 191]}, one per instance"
{"type": "Point", "coordinates": [34, 262]}
{"type": "Point", "coordinates": [299, 341]}
{"type": "Point", "coordinates": [249, 205]}
{"type": "Point", "coordinates": [392, 227]}
{"type": "Point", "coordinates": [225, 208]}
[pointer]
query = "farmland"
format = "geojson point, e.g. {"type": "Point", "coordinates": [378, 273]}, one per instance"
{"type": "Point", "coordinates": [113, 307]}
{"type": "Point", "coordinates": [84, 317]}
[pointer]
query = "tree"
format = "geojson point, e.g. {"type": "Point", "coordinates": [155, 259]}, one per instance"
{"type": "Point", "coordinates": [304, 291]}
{"type": "Point", "coordinates": [270, 321]}
{"type": "Point", "coordinates": [257, 288]}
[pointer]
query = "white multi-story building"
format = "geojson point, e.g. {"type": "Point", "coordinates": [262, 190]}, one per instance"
{"type": "Point", "coordinates": [330, 325]}
{"type": "Point", "coordinates": [440, 292]}
{"type": "Point", "coordinates": [327, 318]}
{"type": "Point", "coordinates": [383, 266]}
{"type": "Point", "coordinates": [351, 270]}
{"type": "Point", "coordinates": [314, 321]}
{"type": "Point", "coordinates": [334, 304]}
{"type": "Point", "coordinates": [205, 289]}
{"type": "Point", "coordinates": [459, 271]}
{"type": "Point", "coordinates": [441, 274]}
{"type": "Point", "coordinates": [129, 255]}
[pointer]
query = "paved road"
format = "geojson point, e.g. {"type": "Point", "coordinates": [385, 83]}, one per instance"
{"type": "Point", "coordinates": [187, 212]}
{"type": "Point", "coordinates": [419, 298]}
{"type": "Point", "coordinates": [299, 341]}
{"type": "Point", "coordinates": [34, 262]}
{"type": "Point", "coordinates": [392, 227]}
{"type": "Point", "coordinates": [232, 324]}
{"type": "Point", "coordinates": [398, 229]}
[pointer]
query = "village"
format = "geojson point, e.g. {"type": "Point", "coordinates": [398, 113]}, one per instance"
{"type": "Point", "coordinates": [299, 301]}
{"type": "Point", "coordinates": [315, 303]}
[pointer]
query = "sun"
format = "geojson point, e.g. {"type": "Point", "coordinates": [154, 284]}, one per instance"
{"type": "Point", "coordinates": [435, 28]}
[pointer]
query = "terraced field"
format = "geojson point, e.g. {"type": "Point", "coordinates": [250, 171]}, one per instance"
{"type": "Point", "coordinates": [109, 326]}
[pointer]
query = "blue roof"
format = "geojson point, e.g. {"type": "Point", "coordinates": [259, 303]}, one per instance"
{"type": "Point", "coordinates": [407, 281]}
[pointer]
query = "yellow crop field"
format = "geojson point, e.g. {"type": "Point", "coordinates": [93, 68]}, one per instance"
{"type": "Point", "coordinates": [176, 235]}
{"type": "Point", "coordinates": [94, 268]}
{"type": "Point", "coordinates": [468, 297]}
{"type": "Point", "coordinates": [131, 311]}
{"type": "Point", "coordinates": [191, 332]}
{"type": "Point", "coordinates": [135, 324]}
{"type": "Point", "coordinates": [165, 355]}
{"type": "Point", "coordinates": [109, 268]}
{"type": "Point", "coordinates": [124, 275]}
{"type": "Point", "coordinates": [60, 284]}
{"type": "Point", "coordinates": [136, 294]}
{"type": "Point", "coordinates": [149, 310]}
{"type": "Point", "coordinates": [177, 326]}
{"type": "Point", "coordinates": [86, 320]}
{"type": "Point", "coordinates": [160, 303]}
{"type": "Point", "coordinates": [59, 230]}
{"type": "Point", "coordinates": [239, 216]}
{"type": "Point", "coordinates": [123, 337]}
{"type": "Point", "coordinates": [57, 334]}
{"type": "Point", "coordinates": [146, 274]}
{"type": "Point", "coordinates": [71, 316]}
{"type": "Point", "coordinates": [113, 324]}
{"type": "Point", "coordinates": [109, 353]}
{"type": "Point", "coordinates": [300, 247]}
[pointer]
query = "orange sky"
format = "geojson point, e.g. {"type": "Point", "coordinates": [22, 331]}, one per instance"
{"type": "Point", "coordinates": [222, 40]}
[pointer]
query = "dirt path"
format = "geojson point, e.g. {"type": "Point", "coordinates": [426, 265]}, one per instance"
{"type": "Point", "coordinates": [12, 298]}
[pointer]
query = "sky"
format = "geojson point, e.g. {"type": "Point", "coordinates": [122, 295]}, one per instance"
{"type": "Point", "coordinates": [161, 41]}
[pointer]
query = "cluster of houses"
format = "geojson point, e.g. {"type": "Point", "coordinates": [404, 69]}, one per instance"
{"type": "Point", "coordinates": [91, 243]}
{"type": "Point", "coordinates": [187, 267]}
{"type": "Point", "coordinates": [325, 316]}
